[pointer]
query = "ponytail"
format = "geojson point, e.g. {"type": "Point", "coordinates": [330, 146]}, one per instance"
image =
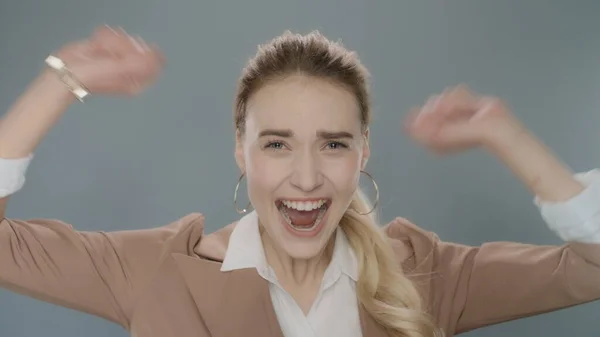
{"type": "Point", "coordinates": [382, 288]}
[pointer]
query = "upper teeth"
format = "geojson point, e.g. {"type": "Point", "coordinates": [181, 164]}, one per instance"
{"type": "Point", "coordinates": [304, 205]}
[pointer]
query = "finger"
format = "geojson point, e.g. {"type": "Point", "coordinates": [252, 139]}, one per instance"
{"type": "Point", "coordinates": [423, 127]}
{"type": "Point", "coordinates": [490, 106]}
{"type": "Point", "coordinates": [457, 100]}
{"type": "Point", "coordinates": [462, 93]}
{"type": "Point", "coordinates": [409, 120]}
{"type": "Point", "coordinates": [142, 43]}
{"type": "Point", "coordinates": [115, 41]}
{"type": "Point", "coordinates": [454, 111]}
{"type": "Point", "coordinates": [458, 133]}
{"type": "Point", "coordinates": [431, 104]}
{"type": "Point", "coordinates": [139, 44]}
{"type": "Point", "coordinates": [426, 114]}
{"type": "Point", "coordinates": [105, 33]}
{"type": "Point", "coordinates": [137, 73]}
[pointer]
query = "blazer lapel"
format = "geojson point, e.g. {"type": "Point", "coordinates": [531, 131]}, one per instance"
{"type": "Point", "coordinates": [235, 303]}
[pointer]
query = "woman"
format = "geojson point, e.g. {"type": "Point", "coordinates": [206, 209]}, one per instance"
{"type": "Point", "coordinates": [309, 260]}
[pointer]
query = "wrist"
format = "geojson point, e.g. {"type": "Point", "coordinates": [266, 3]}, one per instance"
{"type": "Point", "coordinates": [49, 83]}
{"type": "Point", "coordinates": [532, 162]}
{"type": "Point", "coordinates": [506, 136]}
{"type": "Point", "coordinates": [33, 114]}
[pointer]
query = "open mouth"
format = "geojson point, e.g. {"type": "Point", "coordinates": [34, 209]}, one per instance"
{"type": "Point", "coordinates": [303, 216]}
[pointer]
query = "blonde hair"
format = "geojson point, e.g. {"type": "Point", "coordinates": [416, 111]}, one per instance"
{"type": "Point", "coordinates": [382, 288]}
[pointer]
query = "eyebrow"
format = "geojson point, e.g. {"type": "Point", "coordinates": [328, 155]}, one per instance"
{"type": "Point", "coordinates": [287, 133]}
{"type": "Point", "coordinates": [334, 135]}
{"type": "Point", "coordinates": [278, 133]}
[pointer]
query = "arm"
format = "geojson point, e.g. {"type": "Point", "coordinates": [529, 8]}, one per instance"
{"type": "Point", "coordinates": [33, 115]}
{"type": "Point", "coordinates": [472, 287]}
{"type": "Point", "coordinates": [24, 125]}
{"type": "Point", "coordinates": [468, 287]}
{"type": "Point", "coordinates": [98, 273]}
{"type": "Point", "coordinates": [568, 202]}
{"type": "Point", "coordinates": [110, 62]}
{"type": "Point", "coordinates": [502, 281]}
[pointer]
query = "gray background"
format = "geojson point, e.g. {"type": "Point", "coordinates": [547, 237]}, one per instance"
{"type": "Point", "coordinates": [132, 163]}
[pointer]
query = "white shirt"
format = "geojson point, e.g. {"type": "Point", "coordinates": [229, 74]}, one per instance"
{"type": "Point", "coordinates": [337, 288]}
{"type": "Point", "coordinates": [577, 219]}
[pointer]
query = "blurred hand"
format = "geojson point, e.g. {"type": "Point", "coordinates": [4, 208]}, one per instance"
{"type": "Point", "coordinates": [458, 120]}
{"type": "Point", "coordinates": [113, 62]}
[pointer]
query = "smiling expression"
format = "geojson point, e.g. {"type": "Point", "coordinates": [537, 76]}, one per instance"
{"type": "Point", "coordinates": [302, 151]}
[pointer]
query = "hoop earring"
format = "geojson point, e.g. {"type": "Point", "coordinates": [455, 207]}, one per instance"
{"type": "Point", "coordinates": [235, 196]}
{"type": "Point", "coordinates": [376, 193]}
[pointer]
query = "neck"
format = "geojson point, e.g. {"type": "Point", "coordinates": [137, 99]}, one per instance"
{"type": "Point", "coordinates": [295, 271]}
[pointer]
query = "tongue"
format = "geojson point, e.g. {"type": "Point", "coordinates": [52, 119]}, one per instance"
{"type": "Point", "coordinates": [303, 218]}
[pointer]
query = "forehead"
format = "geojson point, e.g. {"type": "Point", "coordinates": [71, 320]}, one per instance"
{"type": "Point", "coordinates": [303, 105]}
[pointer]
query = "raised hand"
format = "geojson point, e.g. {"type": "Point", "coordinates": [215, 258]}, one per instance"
{"type": "Point", "coordinates": [113, 62]}
{"type": "Point", "coordinates": [109, 62]}
{"type": "Point", "coordinates": [458, 119]}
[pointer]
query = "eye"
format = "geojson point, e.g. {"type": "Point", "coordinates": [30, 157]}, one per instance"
{"type": "Point", "coordinates": [336, 145]}
{"type": "Point", "coordinates": [275, 145]}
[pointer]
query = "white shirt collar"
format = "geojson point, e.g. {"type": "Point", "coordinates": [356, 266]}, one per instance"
{"type": "Point", "coordinates": [246, 250]}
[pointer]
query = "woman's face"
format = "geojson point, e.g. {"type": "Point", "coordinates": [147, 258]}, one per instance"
{"type": "Point", "coordinates": [302, 152]}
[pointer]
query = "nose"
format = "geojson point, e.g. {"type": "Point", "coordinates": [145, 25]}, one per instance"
{"type": "Point", "coordinates": [306, 174]}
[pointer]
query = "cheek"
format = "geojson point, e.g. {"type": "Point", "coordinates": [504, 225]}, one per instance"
{"type": "Point", "coordinates": [343, 173]}
{"type": "Point", "coordinates": [264, 175]}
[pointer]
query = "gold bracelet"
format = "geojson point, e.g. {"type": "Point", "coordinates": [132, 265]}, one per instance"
{"type": "Point", "coordinates": [66, 76]}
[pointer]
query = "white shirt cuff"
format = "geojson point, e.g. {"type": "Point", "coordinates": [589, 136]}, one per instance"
{"type": "Point", "coordinates": [12, 174]}
{"type": "Point", "coordinates": [577, 219]}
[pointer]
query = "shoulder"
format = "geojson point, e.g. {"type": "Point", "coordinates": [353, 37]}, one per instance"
{"type": "Point", "coordinates": [412, 244]}
{"type": "Point", "coordinates": [190, 225]}
{"type": "Point", "coordinates": [421, 249]}
{"type": "Point", "coordinates": [403, 230]}
{"type": "Point", "coordinates": [184, 233]}
{"type": "Point", "coordinates": [179, 235]}
{"type": "Point", "coordinates": [187, 236]}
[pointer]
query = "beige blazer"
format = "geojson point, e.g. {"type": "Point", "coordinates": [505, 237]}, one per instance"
{"type": "Point", "coordinates": [156, 282]}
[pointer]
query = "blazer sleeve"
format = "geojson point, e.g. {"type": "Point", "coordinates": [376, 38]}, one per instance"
{"type": "Point", "coordinates": [99, 273]}
{"type": "Point", "coordinates": [469, 287]}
